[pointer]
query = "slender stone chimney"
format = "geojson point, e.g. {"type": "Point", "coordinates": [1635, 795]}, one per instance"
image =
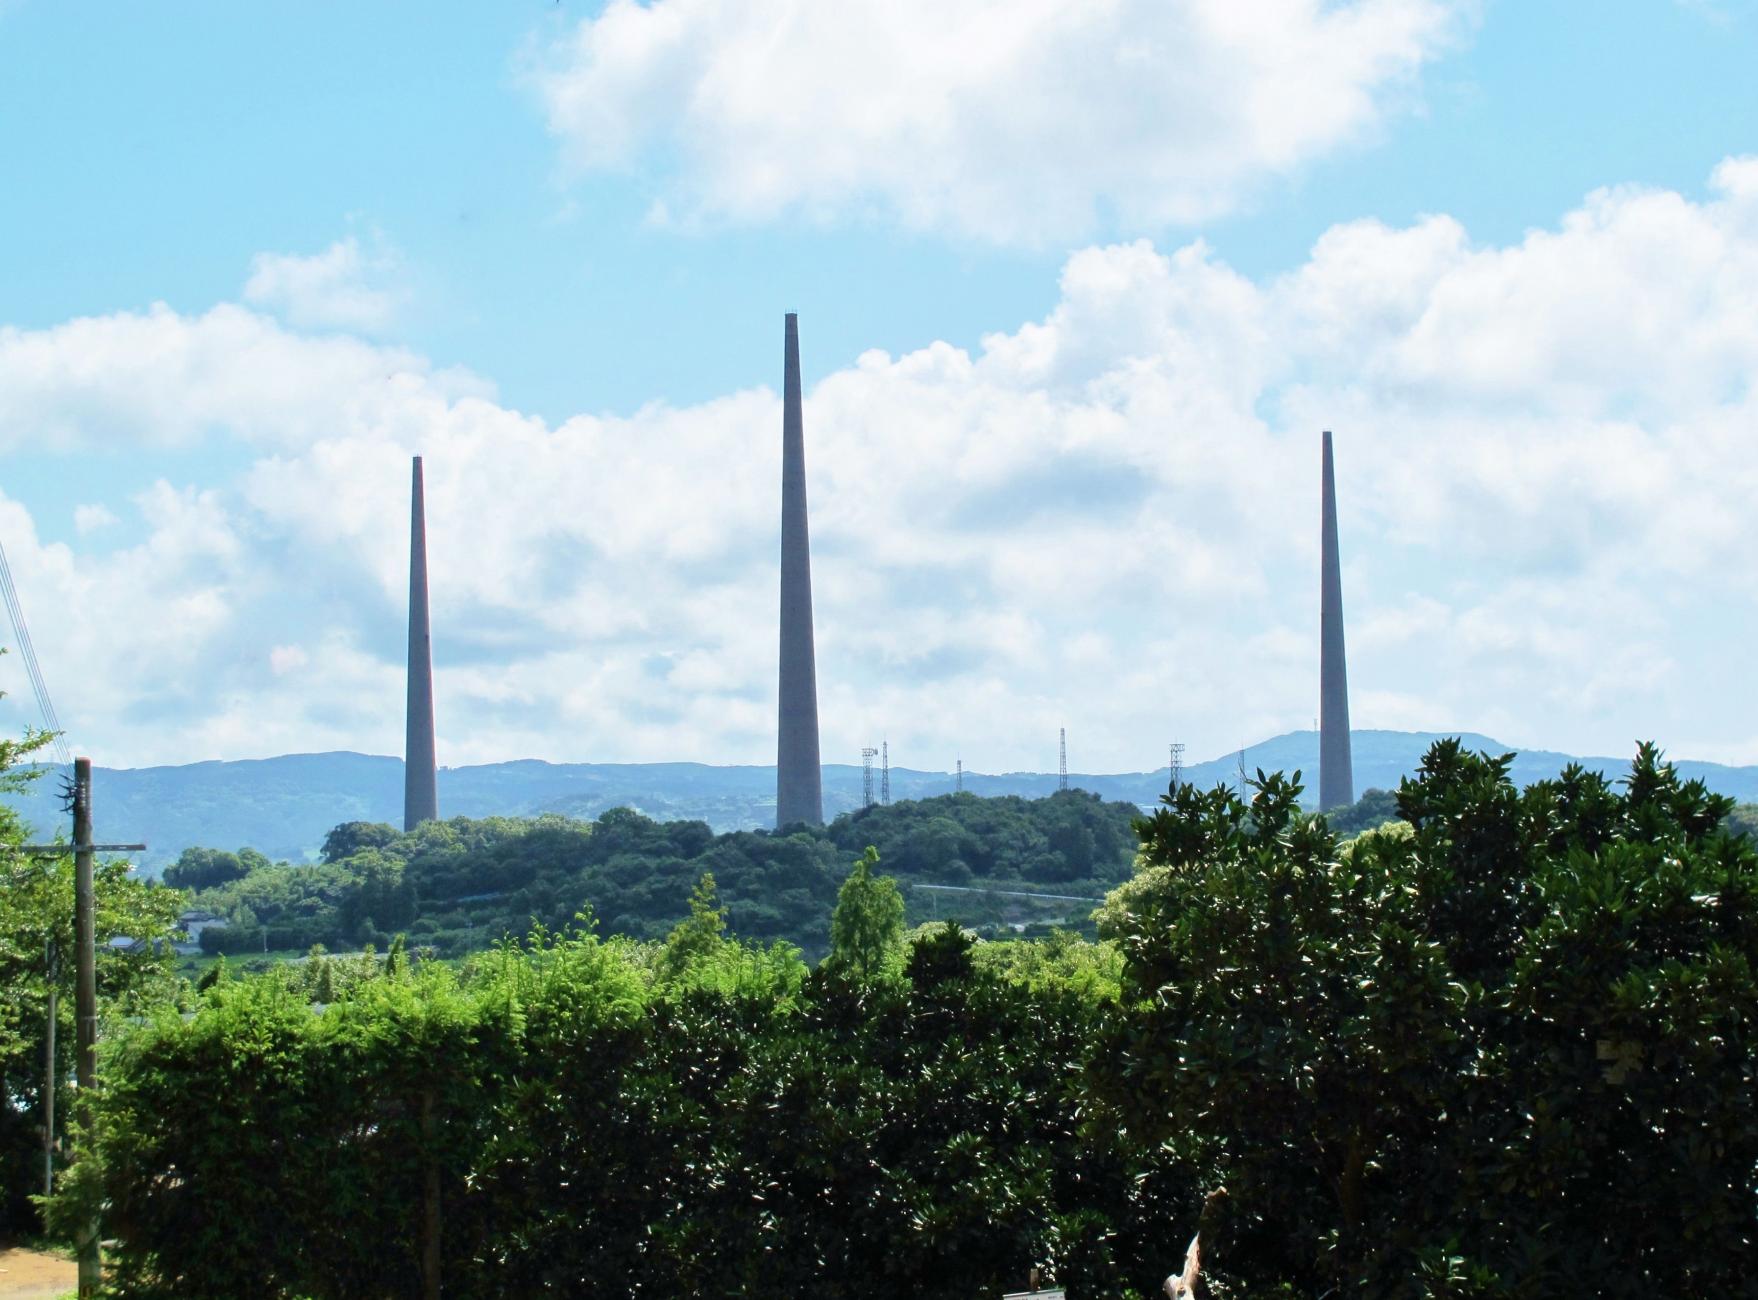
{"type": "Point", "coordinates": [420, 779]}
{"type": "Point", "coordinates": [798, 792]}
{"type": "Point", "coordinates": [1336, 771]}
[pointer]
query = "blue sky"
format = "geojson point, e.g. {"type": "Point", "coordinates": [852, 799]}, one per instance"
{"type": "Point", "coordinates": [580, 228]}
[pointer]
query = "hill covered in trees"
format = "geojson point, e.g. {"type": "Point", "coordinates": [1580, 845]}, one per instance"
{"type": "Point", "coordinates": [462, 884]}
{"type": "Point", "coordinates": [285, 806]}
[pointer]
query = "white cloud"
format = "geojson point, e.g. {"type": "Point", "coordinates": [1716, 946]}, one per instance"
{"type": "Point", "coordinates": [1010, 120]}
{"type": "Point", "coordinates": [1104, 519]}
{"type": "Point", "coordinates": [343, 287]}
{"type": "Point", "coordinates": [93, 518]}
{"type": "Point", "coordinates": [284, 659]}
{"type": "Point", "coordinates": [165, 379]}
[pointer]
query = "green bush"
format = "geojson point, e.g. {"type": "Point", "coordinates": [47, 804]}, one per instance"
{"type": "Point", "coordinates": [700, 1119]}
{"type": "Point", "coordinates": [1509, 1045]}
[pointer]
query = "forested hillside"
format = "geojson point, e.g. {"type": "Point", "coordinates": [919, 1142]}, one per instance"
{"type": "Point", "coordinates": [460, 885]}
{"type": "Point", "coordinates": [284, 806]}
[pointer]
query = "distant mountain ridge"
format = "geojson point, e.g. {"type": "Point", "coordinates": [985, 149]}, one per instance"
{"type": "Point", "coordinates": [284, 805]}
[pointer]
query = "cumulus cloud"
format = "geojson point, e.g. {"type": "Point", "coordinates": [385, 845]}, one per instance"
{"type": "Point", "coordinates": [1104, 519]}
{"type": "Point", "coordinates": [92, 518]}
{"type": "Point", "coordinates": [161, 378]}
{"type": "Point", "coordinates": [1008, 120]}
{"type": "Point", "coordinates": [343, 287]}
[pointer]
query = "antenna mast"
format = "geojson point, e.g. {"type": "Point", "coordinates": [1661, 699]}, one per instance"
{"type": "Point", "coordinates": [958, 780]}
{"type": "Point", "coordinates": [868, 754]}
{"type": "Point", "coordinates": [885, 772]}
{"type": "Point", "coordinates": [1062, 770]}
{"type": "Point", "coordinates": [1176, 767]}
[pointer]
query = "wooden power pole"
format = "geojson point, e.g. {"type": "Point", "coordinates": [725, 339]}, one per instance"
{"type": "Point", "coordinates": [52, 960]}
{"type": "Point", "coordinates": [85, 1001]}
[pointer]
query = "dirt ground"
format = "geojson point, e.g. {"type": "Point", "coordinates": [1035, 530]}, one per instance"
{"type": "Point", "coordinates": [32, 1275]}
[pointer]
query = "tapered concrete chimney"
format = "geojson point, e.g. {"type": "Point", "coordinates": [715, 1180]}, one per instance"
{"type": "Point", "coordinates": [1336, 770]}
{"type": "Point", "coordinates": [798, 790]}
{"type": "Point", "coordinates": [420, 777]}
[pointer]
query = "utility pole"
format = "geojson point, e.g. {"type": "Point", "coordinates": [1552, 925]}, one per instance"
{"type": "Point", "coordinates": [85, 1003]}
{"type": "Point", "coordinates": [52, 962]}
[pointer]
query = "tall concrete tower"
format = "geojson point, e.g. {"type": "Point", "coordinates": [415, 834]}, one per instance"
{"type": "Point", "coordinates": [799, 794]}
{"type": "Point", "coordinates": [420, 779]}
{"type": "Point", "coordinates": [1336, 770]}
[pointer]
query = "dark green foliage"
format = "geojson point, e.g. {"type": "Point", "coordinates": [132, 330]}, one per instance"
{"type": "Point", "coordinates": [951, 839]}
{"type": "Point", "coordinates": [205, 868]}
{"type": "Point", "coordinates": [462, 885]}
{"type": "Point", "coordinates": [745, 1128]}
{"type": "Point", "coordinates": [353, 837]}
{"type": "Point", "coordinates": [1372, 810]}
{"type": "Point", "coordinates": [1509, 1043]}
{"type": "Point", "coordinates": [1502, 1047]}
{"type": "Point", "coordinates": [36, 911]}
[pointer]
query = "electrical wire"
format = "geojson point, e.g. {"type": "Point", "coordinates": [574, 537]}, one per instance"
{"type": "Point", "coordinates": [22, 637]}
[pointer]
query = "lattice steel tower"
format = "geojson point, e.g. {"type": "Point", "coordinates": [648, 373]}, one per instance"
{"type": "Point", "coordinates": [868, 754]}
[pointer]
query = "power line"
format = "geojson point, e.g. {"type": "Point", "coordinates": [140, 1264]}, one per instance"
{"type": "Point", "coordinates": [27, 652]}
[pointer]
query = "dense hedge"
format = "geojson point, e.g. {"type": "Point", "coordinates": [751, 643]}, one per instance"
{"type": "Point", "coordinates": [579, 1126]}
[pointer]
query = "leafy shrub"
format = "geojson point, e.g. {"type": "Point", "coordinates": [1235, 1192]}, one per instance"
{"type": "Point", "coordinates": [1508, 1045]}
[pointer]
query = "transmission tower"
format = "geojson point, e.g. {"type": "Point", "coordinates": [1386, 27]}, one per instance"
{"type": "Point", "coordinates": [1062, 778]}
{"type": "Point", "coordinates": [885, 772]}
{"type": "Point", "coordinates": [958, 780]}
{"type": "Point", "coordinates": [868, 754]}
{"type": "Point", "coordinates": [1176, 766]}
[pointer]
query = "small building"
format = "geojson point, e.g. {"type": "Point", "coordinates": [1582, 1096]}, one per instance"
{"type": "Point", "coordinates": [192, 922]}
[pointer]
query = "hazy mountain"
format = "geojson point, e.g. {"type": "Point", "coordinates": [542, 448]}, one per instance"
{"type": "Point", "coordinates": [283, 806]}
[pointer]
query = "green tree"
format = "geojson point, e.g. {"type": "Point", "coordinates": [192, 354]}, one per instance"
{"type": "Point", "coordinates": [698, 935]}
{"type": "Point", "coordinates": [1501, 1050]}
{"type": "Point", "coordinates": [36, 917]}
{"type": "Point", "coordinates": [351, 837]}
{"type": "Point", "coordinates": [1374, 808]}
{"type": "Point", "coordinates": [198, 868]}
{"type": "Point", "coordinates": [866, 929]}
